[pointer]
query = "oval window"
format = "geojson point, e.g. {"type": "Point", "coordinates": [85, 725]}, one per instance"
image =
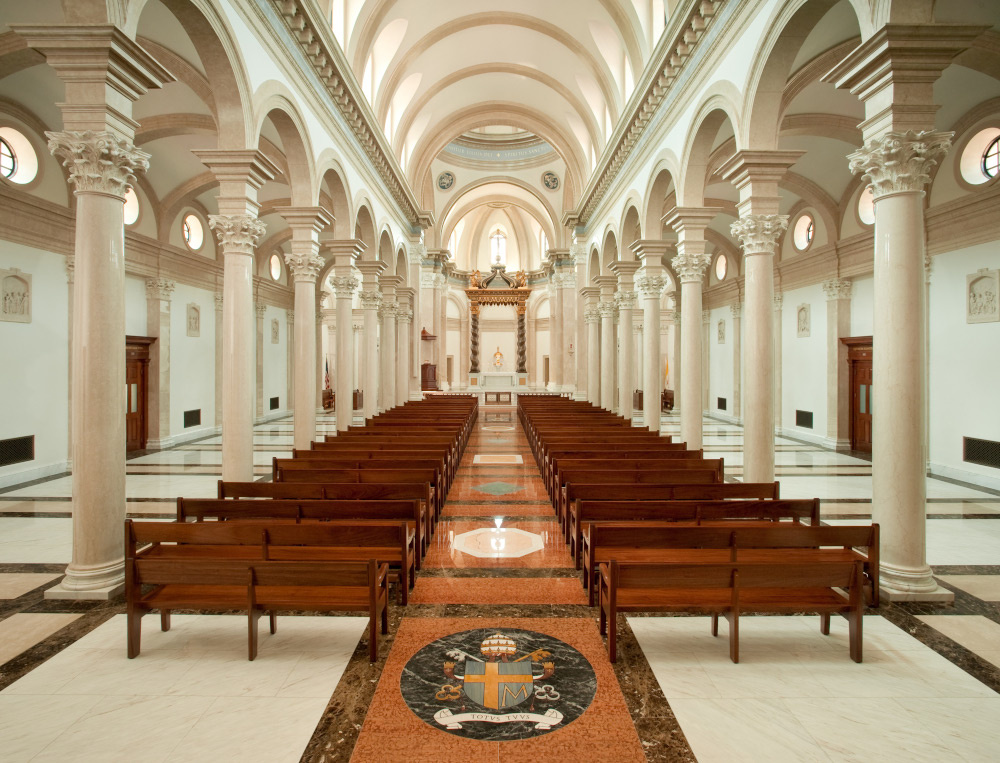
{"type": "Point", "coordinates": [275, 267]}
{"type": "Point", "coordinates": [721, 267]}
{"type": "Point", "coordinates": [194, 234]}
{"type": "Point", "coordinates": [18, 161]}
{"type": "Point", "coordinates": [805, 229]}
{"type": "Point", "coordinates": [866, 206]}
{"type": "Point", "coordinates": [980, 160]}
{"type": "Point", "coordinates": [131, 207]}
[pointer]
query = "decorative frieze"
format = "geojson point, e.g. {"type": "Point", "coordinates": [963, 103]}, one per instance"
{"type": "Point", "coordinates": [98, 162]}
{"type": "Point", "coordinates": [759, 233]}
{"type": "Point", "coordinates": [899, 162]}
{"type": "Point", "coordinates": [238, 234]}
{"type": "Point", "coordinates": [983, 296]}
{"type": "Point", "coordinates": [838, 288]}
{"type": "Point", "coordinates": [16, 296]}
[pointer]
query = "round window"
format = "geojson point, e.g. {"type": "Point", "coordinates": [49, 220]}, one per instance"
{"type": "Point", "coordinates": [805, 229]}
{"type": "Point", "coordinates": [980, 160]}
{"type": "Point", "coordinates": [866, 206]}
{"type": "Point", "coordinates": [275, 267]}
{"type": "Point", "coordinates": [194, 234]}
{"type": "Point", "coordinates": [131, 207]}
{"type": "Point", "coordinates": [721, 267]}
{"type": "Point", "coordinates": [18, 161]}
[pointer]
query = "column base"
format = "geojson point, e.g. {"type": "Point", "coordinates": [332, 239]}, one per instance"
{"type": "Point", "coordinates": [90, 583]}
{"type": "Point", "coordinates": [94, 594]}
{"type": "Point", "coordinates": [911, 585]}
{"type": "Point", "coordinates": [938, 596]}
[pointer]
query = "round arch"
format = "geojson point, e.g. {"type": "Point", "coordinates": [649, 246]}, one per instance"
{"type": "Point", "coordinates": [277, 103]}
{"type": "Point", "coordinates": [715, 110]}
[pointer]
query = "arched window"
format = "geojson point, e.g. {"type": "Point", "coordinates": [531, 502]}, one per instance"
{"type": "Point", "coordinates": [543, 243]}
{"type": "Point", "coordinates": [991, 158]}
{"type": "Point", "coordinates": [498, 248]}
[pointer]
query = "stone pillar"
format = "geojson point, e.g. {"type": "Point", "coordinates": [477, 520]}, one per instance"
{"type": "Point", "coordinates": [690, 263]}
{"type": "Point", "coordinates": [557, 348]}
{"type": "Point", "coordinates": [158, 291]}
{"type": "Point", "coordinates": [678, 358]}
{"type": "Point", "coordinates": [755, 175]}
{"type": "Point", "coordinates": [650, 283]}
{"type": "Point", "coordinates": [778, 367]}
{"type": "Point", "coordinates": [706, 364]}
{"type": "Point", "coordinates": [737, 311]}
{"type": "Point", "coordinates": [387, 383]}
{"type": "Point", "coordinates": [578, 251]}
{"type": "Point", "coordinates": [101, 168]}
{"type": "Point", "coordinates": [319, 368]}
{"type": "Point", "coordinates": [592, 319]}
{"type": "Point", "coordinates": [371, 300]}
{"type": "Point", "coordinates": [344, 255]}
{"type": "Point", "coordinates": [625, 302]}
{"type": "Point", "coordinates": [639, 371]}
{"type": "Point", "coordinates": [218, 360]}
{"type": "Point", "coordinates": [241, 175]}
{"type": "Point", "coordinates": [606, 309]}
{"type": "Point", "coordinates": [330, 358]}
{"type": "Point", "coordinates": [838, 381]}
{"type": "Point", "coordinates": [404, 318]}
{"type": "Point", "coordinates": [259, 310]}
{"type": "Point", "coordinates": [290, 361]}
{"type": "Point", "coordinates": [357, 346]}
{"type": "Point", "coordinates": [417, 254]}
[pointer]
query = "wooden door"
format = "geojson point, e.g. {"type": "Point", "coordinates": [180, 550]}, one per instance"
{"type": "Point", "coordinates": [136, 391]}
{"type": "Point", "coordinates": [859, 357]}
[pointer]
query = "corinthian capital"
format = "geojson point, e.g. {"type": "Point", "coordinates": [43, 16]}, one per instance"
{"type": "Point", "coordinates": [650, 286]}
{"type": "Point", "coordinates": [900, 161]}
{"type": "Point", "coordinates": [98, 162]}
{"type": "Point", "coordinates": [690, 266]}
{"type": "Point", "coordinates": [159, 288]}
{"type": "Point", "coordinates": [370, 299]}
{"type": "Point", "coordinates": [625, 300]}
{"type": "Point", "coordinates": [238, 234]}
{"type": "Point", "coordinates": [759, 233]}
{"type": "Point", "coordinates": [344, 286]}
{"type": "Point", "coordinates": [606, 309]}
{"type": "Point", "coordinates": [404, 315]}
{"type": "Point", "coordinates": [304, 267]}
{"type": "Point", "coordinates": [837, 288]}
{"type": "Point", "coordinates": [591, 315]}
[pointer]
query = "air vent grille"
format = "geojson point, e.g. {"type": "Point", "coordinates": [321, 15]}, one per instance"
{"type": "Point", "coordinates": [721, 403]}
{"type": "Point", "coordinates": [192, 418]}
{"type": "Point", "coordinates": [804, 419]}
{"type": "Point", "coordinates": [982, 452]}
{"type": "Point", "coordinates": [16, 450]}
{"type": "Point", "coordinates": [274, 403]}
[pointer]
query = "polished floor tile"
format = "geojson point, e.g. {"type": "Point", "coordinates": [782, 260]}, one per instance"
{"type": "Point", "coordinates": [15, 584]}
{"type": "Point", "coordinates": [23, 630]}
{"type": "Point", "coordinates": [985, 587]}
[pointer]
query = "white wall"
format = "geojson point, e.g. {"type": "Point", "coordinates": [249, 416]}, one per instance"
{"type": "Point", "coordinates": [721, 362]}
{"type": "Point", "coordinates": [276, 361]}
{"type": "Point", "coordinates": [964, 362]}
{"type": "Point", "coordinates": [34, 383]}
{"type": "Point", "coordinates": [135, 306]}
{"type": "Point", "coordinates": [192, 363]}
{"type": "Point", "coordinates": [863, 306]}
{"type": "Point", "coordinates": [803, 360]}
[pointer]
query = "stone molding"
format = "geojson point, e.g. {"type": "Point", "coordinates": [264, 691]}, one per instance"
{"type": "Point", "coordinates": [159, 288]}
{"type": "Point", "coordinates": [370, 299]}
{"type": "Point", "coordinates": [304, 267]}
{"type": "Point", "coordinates": [838, 288]}
{"type": "Point", "coordinates": [900, 162]}
{"type": "Point", "coordinates": [690, 267]}
{"type": "Point", "coordinates": [651, 286]}
{"type": "Point", "coordinates": [759, 233]}
{"type": "Point", "coordinates": [238, 234]}
{"type": "Point", "coordinates": [344, 286]}
{"type": "Point", "coordinates": [98, 162]}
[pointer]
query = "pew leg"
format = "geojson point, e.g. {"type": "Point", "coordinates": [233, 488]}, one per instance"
{"type": "Point", "coordinates": [604, 619]}
{"type": "Point", "coordinates": [824, 623]}
{"type": "Point", "coordinates": [734, 636]}
{"type": "Point", "coordinates": [164, 620]}
{"type": "Point", "coordinates": [715, 623]}
{"type": "Point", "coordinates": [854, 620]}
{"type": "Point", "coordinates": [252, 635]}
{"type": "Point", "coordinates": [273, 616]}
{"type": "Point", "coordinates": [134, 625]}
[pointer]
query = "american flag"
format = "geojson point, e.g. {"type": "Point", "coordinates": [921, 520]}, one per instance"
{"type": "Point", "coordinates": [326, 376]}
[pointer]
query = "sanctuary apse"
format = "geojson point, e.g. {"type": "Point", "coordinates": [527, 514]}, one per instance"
{"type": "Point", "coordinates": [287, 221]}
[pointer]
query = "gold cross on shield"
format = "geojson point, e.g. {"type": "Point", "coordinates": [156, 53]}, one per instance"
{"type": "Point", "coordinates": [502, 689]}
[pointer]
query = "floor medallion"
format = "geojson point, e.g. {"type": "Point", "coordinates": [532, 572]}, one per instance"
{"type": "Point", "coordinates": [498, 685]}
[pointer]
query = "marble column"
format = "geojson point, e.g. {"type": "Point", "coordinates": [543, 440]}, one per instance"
{"type": "Point", "coordinates": [625, 302]}
{"type": "Point", "coordinates": [371, 300]}
{"type": "Point", "coordinates": [778, 301]}
{"type": "Point", "coordinates": [387, 383]}
{"type": "Point", "coordinates": [241, 175]}
{"type": "Point", "coordinates": [344, 255]}
{"type": "Point", "coordinates": [606, 309]}
{"type": "Point", "coordinates": [650, 283]}
{"type": "Point", "coordinates": [158, 295]}
{"type": "Point", "coordinates": [736, 310]}
{"type": "Point", "coordinates": [259, 310]}
{"type": "Point", "coordinates": [568, 297]}
{"type": "Point", "coordinates": [330, 357]}
{"type": "Point", "coordinates": [555, 333]}
{"type": "Point", "coordinates": [357, 346]}
{"type": "Point", "coordinates": [639, 372]}
{"type": "Point", "coordinates": [838, 378]}
{"type": "Point", "coordinates": [218, 360]}
{"type": "Point", "coordinates": [417, 254]}
{"type": "Point", "coordinates": [898, 165]}
{"type": "Point", "coordinates": [290, 361]}
{"type": "Point", "coordinates": [404, 317]}
{"type": "Point", "coordinates": [755, 174]}
{"type": "Point", "coordinates": [304, 264]}
{"type": "Point", "coordinates": [706, 362]}
{"type": "Point", "coordinates": [578, 251]}
{"type": "Point", "coordinates": [101, 167]}
{"type": "Point", "coordinates": [592, 319]}
{"type": "Point", "coordinates": [690, 264]}
{"type": "Point", "coordinates": [675, 348]}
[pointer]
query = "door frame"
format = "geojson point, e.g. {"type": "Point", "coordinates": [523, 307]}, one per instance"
{"type": "Point", "coordinates": [138, 348]}
{"type": "Point", "coordinates": [859, 348]}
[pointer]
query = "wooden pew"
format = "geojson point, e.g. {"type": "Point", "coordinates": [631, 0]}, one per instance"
{"type": "Point", "coordinates": [782, 587]}
{"type": "Point", "coordinates": [621, 465]}
{"type": "Point", "coordinates": [257, 586]}
{"type": "Point", "coordinates": [426, 477]}
{"type": "Point", "coordinates": [657, 451]}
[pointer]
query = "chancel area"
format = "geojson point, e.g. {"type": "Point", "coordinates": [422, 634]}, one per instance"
{"type": "Point", "coordinates": [579, 380]}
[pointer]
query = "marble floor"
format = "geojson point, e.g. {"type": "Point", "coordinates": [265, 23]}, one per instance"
{"type": "Point", "coordinates": [927, 689]}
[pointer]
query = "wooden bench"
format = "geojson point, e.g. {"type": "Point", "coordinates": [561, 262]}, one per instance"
{"type": "Point", "coordinates": [562, 467]}
{"type": "Point", "coordinates": [256, 586]}
{"type": "Point", "coordinates": [727, 589]}
{"type": "Point", "coordinates": [424, 477]}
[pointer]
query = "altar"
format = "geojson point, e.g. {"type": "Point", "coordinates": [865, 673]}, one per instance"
{"type": "Point", "coordinates": [499, 380]}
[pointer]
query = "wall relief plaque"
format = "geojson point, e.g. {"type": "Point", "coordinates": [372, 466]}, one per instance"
{"type": "Point", "coordinates": [722, 332]}
{"type": "Point", "coordinates": [193, 319]}
{"type": "Point", "coordinates": [275, 330]}
{"type": "Point", "coordinates": [803, 321]}
{"type": "Point", "coordinates": [982, 296]}
{"type": "Point", "coordinates": [16, 296]}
